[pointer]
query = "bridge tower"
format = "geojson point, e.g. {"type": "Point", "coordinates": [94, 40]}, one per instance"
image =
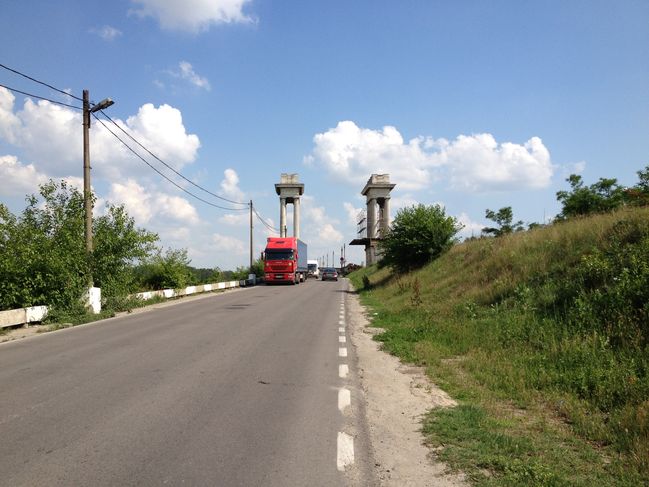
{"type": "Point", "coordinates": [289, 191]}
{"type": "Point", "coordinates": [374, 223]}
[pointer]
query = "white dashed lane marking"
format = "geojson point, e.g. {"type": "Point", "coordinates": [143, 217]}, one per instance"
{"type": "Point", "coordinates": [343, 370]}
{"type": "Point", "coordinates": [344, 399]}
{"type": "Point", "coordinates": [345, 451]}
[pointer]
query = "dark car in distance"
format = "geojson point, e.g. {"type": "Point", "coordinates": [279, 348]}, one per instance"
{"type": "Point", "coordinates": [329, 273]}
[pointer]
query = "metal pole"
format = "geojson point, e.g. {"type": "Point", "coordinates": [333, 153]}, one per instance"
{"type": "Point", "coordinates": [87, 195]}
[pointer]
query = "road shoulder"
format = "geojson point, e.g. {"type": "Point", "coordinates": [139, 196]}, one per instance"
{"type": "Point", "coordinates": [396, 398]}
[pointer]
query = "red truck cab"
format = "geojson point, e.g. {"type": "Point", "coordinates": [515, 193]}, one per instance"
{"type": "Point", "coordinates": [285, 260]}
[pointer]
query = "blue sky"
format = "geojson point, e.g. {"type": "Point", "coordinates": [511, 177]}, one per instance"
{"type": "Point", "coordinates": [471, 104]}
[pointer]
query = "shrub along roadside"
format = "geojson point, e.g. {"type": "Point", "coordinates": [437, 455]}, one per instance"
{"type": "Point", "coordinates": [43, 259]}
{"type": "Point", "coordinates": [542, 337]}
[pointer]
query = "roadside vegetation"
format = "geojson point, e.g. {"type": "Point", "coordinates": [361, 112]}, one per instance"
{"type": "Point", "coordinates": [43, 259]}
{"type": "Point", "coordinates": [542, 336]}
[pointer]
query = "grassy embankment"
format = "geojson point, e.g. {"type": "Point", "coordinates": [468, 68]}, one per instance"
{"type": "Point", "coordinates": [543, 338]}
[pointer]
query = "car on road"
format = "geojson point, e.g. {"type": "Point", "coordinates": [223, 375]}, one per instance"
{"type": "Point", "coordinates": [329, 273]}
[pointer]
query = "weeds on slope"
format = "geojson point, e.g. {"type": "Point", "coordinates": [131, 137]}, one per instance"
{"type": "Point", "coordinates": [543, 338]}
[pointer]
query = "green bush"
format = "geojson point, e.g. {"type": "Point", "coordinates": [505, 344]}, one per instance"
{"type": "Point", "coordinates": [165, 271]}
{"type": "Point", "coordinates": [43, 259]}
{"type": "Point", "coordinates": [418, 235]}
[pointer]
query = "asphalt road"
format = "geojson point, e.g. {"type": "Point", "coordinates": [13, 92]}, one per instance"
{"type": "Point", "coordinates": [235, 389]}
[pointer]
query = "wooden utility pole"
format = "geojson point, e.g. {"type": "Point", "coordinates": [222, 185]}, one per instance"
{"type": "Point", "coordinates": [87, 193]}
{"type": "Point", "coordinates": [87, 196]}
{"type": "Point", "coordinates": [251, 237]}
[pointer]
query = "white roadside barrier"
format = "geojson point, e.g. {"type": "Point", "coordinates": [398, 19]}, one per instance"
{"type": "Point", "coordinates": [21, 316]}
{"type": "Point", "coordinates": [33, 314]}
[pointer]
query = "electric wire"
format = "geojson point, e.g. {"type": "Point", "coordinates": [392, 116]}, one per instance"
{"type": "Point", "coordinates": [267, 225]}
{"type": "Point", "coordinates": [39, 82]}
{"type": "Point", "coordinates": [116, 125]}
{"type": "Point", "coordinates": [261, 219]}
{"type": "Point", "coordinates": [168, 166]}
{"type": "Point", "coordinates": [162, 174]}
{"type": "Point", "coordinates": [126, 145]}
{"type": "Point", "coordinates": [40, 97]}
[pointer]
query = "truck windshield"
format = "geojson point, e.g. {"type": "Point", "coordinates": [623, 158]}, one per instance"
{"type": "Point", "coordinates": [279, 254]}
{"type": "Point", "coordinates": [312, 267]}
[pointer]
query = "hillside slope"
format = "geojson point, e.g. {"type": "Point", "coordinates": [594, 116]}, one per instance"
{"type": "Point", "coordinates": [543, 338]}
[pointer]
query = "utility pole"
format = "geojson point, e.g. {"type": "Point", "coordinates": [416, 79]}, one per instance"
{"type": "Point", "coordinates": [87, 198]}
{"type": "Point", "coordinates": [251, 237]}
{"type": "Point", "coordinates": [87, 194]}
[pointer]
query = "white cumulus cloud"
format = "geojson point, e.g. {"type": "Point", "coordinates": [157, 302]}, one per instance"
{"type": "Point", "coordinates": [316, 225]}
{"type": "Point", "coordinates": [186, 72]}
{"type": "Point", "coordinates": [230, 186]}
{"type": "Point", "coordinates": [352, 153]}
{"type": "Point", "coordinates": [50, 136]}
{"type": "Point", "coordinates": [227, 244]}
{"type": "Point", "coordinates": [192, 15]}
{"type": "Point", "coordinates": [17, 178]}
{"type": "Point", "coordinates": [162, 130]}
{"type": "Point", "coordinates": [9, 122]}
{"type": "Point", "coordinates": [352, 213]}
{"type": "Point", "coordinates": [478, 162]}
{"type": "Point", "coordinates": [471, 228]}
{"type": "Point", "coordinates": [146, 205]}
{"type": "Point", "coordinates": [472, 163]}
{"type": "Point", "coordinates": [22, 179]}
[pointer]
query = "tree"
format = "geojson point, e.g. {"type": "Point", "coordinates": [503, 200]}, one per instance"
{"type": "Point", "coordinates": [602, 196]}
{"type": "Point", "coordinates": [205, 275]}
{"type": "Point", "coordinates": [258, 268]}
{"type": "Point", "coordinates": [43, 258]}
{"type": "Point", "coordinates": [418, 235]}
{"type": "Point", "coordinates": [638, 195]}
{"type": "Point", "coordinates": [503, 218]}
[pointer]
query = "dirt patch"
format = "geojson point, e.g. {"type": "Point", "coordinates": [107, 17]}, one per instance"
{"type": "Point", "coordinates": [396, 398]}
{"type": "Point", "coordinates": [22, 332]}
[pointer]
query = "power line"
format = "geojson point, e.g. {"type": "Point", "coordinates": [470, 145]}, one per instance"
{"type": "Point", "coordinates": [39, 82]}
{"type": "Point", "coordinates": [127, 146]}
{"type": "Point", "coordinates": [168, 166]}
{"type": "Point", "coordinates": [39, 97]}
{"type": "Point", "coordinates": [160, 173]}
{"type": "Point", "coordinates": [261, 219]}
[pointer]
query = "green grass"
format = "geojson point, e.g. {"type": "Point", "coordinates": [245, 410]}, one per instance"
{"type": "Point", "coordinates": [543, 338]}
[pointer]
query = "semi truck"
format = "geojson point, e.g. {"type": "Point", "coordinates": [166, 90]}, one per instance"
{"type": "Point", "coordinates": [285, 260]}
